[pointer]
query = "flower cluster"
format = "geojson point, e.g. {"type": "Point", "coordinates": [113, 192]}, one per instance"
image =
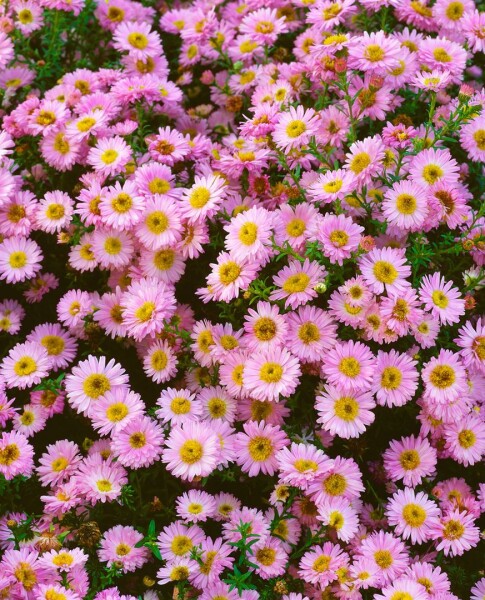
{"type": "Point", "coordinates": [242, 255]}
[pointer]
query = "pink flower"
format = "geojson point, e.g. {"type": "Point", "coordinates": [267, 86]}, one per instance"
{"type": "Point", "coordinates": [343, 413]}
{"type": "Point", "coordinates": [20, 259]}
{"type": "Point", "coordinates": [118, 545]}
{"type": "Point", "coordinates": [350, 366]}
{"type": "Point", "coordinates": [257, 446]}
{"type": "Point", "coordinates": [16, 455]}
{"type": "Point", "coordinates": [441, 298]}
{"type": "Point", "coordinates": [139, 443]}
{"type": "Point", "coordinates": [412, 513]}
{"type": "Point", "coordinates": [296, 282]}
{"type": "Point", "coordinates": [410, 459]}
{"type": "Point", "coordinates": [455, 532]}
{"type": "Point", "coordinates": [271, 374]}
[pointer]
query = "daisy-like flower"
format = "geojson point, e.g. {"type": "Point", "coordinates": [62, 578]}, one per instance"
{"type": "Point", "coordinates": [300, 464]}
{"type": "Point", "coordinates": [139, 443]}
{"type": "Point", "coordinates": [178, 539]}
{"type": "Point", "coordinates": [465, 439]}
{"type": "Point", "coordinates": [471, 340]}
{"type": "Point", "coordinates": [30, 420]}
{"type": "Point", "coordinates": [338, 514]}
{"type": "Point", "coordinates": [404, 588]}
{"type": "Point", "coordinates": [320, 564]}
{"type": "Point", "coordinates": [53, 590]}
{"type": "Point", "coordinates": [340, 479]}
{"type": "Point", "coordinates": [202, 200]}
{"type": "Point", "coordinates": [295, 128]}
{"type": "Point", "coordinates": [270, 558]}
{"type": "Point", "coordinates": [343, 413]}
{"type": "Point", "coordinates": [249, 234]}
{"type": "Point", "coordinates": [410, 459]}
{"type": "Point", "coordinates": [63, 559]}
{"type": "Point", "coordinates": [60, 346]}
{"type": "Point", "coordinates": [91, 379]}
{"type": "Point", "coordinates": [339, 237]}
{"type": "Point", "coordinates": [191, 450]}
{"type": "Point", "coordinates": [444, 377]}
{"type": "Point", "coordinates": [229, 275]}
{"type": "Point", "coordinates": [311, 332]}
{"type": "Point", "coordinates": [263, 25]}
{"type": "Point", "coordinates": [257, 446]}
{"type": "Point", "coordinates": [54, 211]}
{"type": "Point", "coordinates": [6, 49]}
{"type": "Point", "coordinates": [16, 455]}
{"type": "Point", "coordinates": [412, 513]}
{"type": "Point", "coordinates": [112, 249]}
{"type": "Point", "coordinates": [435, 80]}
{"type": "Point", "coordinates": [137, 39]}
{"type": "Point", "coordinates": [374, 53]}
{"type": "Point", "coordinates": [121, 207]}
{"type": "Point", "coordinates": [385, 269]}
{"type": "Point", "coordinates": [271, 374]}
{"type": "Point", "coordinates": [195, 506]}
{"type": "Point", "coordinates": [20, 259]}
{"type": "Point", "coordinates": [434, 580]}
{"type": "Point", "coordinates": [478, 590]}
{"type": "Point", "coordinates": [160, 224]}
{"type": "Point", "coordinates": [405, 205]}
{"type": "Point", "coordinates": [110, 155]}
{"type": "Point", "coordinates": [388, 553]}
{"type": "Point", "coordinates": [331, 186]}
{"type": "Point", "coordinates": [25, 365]}
{"type": "Point", "coordinates": [350, 366]}
{"type": "Point", "coordinates": [146, 304]}
{"type": "Point", "coordinates": [441, 298]}
{"type": "Point", "coordinates": [265, 327]}
{"type": "Point", "coordinates": [58, 463]}
{"type": "Point", "coordinates": [365, 159]}
{"type": "Point", "coordinates": [169, 146]}
{"type": "Point", "coordinates": [99, 481]}
{"type": "Point", "coordinates": [118, 545]}
{"type": "Point", "coordinates": [177, 571]}
{"type": "Point", "coordinates": [296, 282]}
{"type": "Point", "coordinates": [159, 362]}
{"type": "Point", "coordinates": [178, 406]}
{"type": "Point", "coordinates": [455, 533]}
{"type": "Point", "coordinates": [115, 409]}
{"type": "Point", "coordinates": [395, 379]}
{"type": "Point", "coordinates": [473, 25]}
{"type": "Point", "coordinates": [21, 568]}
{"type": "Point", "coordinates": [432, 167]}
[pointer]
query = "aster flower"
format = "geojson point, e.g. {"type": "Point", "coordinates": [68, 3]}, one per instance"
{"type": "Point", "coordinates": [178, 539]}
{"type": "Point", "coordinates": [139, 443]}
{"type": "Point", "coordinates": [137, 39]}
{"type": "Point", "coordinates": [16, 455]}
{"type": "Point", "coordinates": [91, 379]}
{"type": "Point", "coordinates": [110, 155]}
{"type": "Point", "coordinates": [471, 340]}
{"type": "Point", "coordinates": [300, 464]}
{"type": "Point", "coordinates": [25, 365]}
{"type": "Point", "coordinates": [465, 439]}
{"type": "Point", "coordinates": [98, 481]}
{"type": "Point", "coordinates": [195, 506]}
{"type": "Point", "coordinates": [320, 564]}
{"type": "Point", "coordinates": [385, 269]}
{"type": "Point", "coordinates": [365, 159]}
{"type": "Point", "coordinates": [20, 259]}
{"type": "Point", "coordinates": [58, 463]}
{"type": "Point", "coordinates": [160, 225]}
{"type": "Point", "coordinates": [343, 413]}
{"type": "Point", "coordinates": [405, 205]}
{"type": "Point", "coordinates": [60, 346]}
{"type": "Point", "coordinates": [339, 237]}
{"type": "Point", "coordinates": [263, 25]}
{"type": "Point", "coordinates": [256, 448]}
{"type": "Point", "coordinates": [410, 459]}
{"type": "Point", "coordinates": [295, 128]}
{"type": "Point", "coordinates": [121, 207]}
{"type": "Point", "coordinates": [404, 587]}
{"type": "Point", "coordinates": [444, 377]}
{"type": "Point", "coordinates": [271, 374]}
{"type": "Point", "coordinates": [342, 478]}
{"type": "Point", "coordinates": [432, 167]}
{"type": "Point", "coordinates": [296, 282]}
{"type": "Point", "coordinates": [388, 554]}
{"type": "Point", "coordinates": [351, 366]}
{"type": "Point", "coordinates": [202, 200]}
{"type": "Point", "coordinates": [63, 559]}
{"type": "Point", "coordinates": [412, 513]}
{"type": "Point", "coordinates": [396, 378]}
{"type": "Point", "coordinates": [229, 275]}
{"type": "Point", "coordinates": [441, 298]}
{"type": "Point", "coordinates": [455, 533]}
{"type": "Point", "coordinates": [249, 234]}
{"type": "Point", "coordinates": [339, 515]}
{"type": "Point", "coordinates": [118, 545]}
{"type": "Point", "coordinates": [311, 332]}
{"type": "Point", "coordinates": [191, 450]}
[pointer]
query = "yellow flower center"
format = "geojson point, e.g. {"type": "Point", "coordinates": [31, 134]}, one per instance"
{"type": "Point", "coordinates": [374, 53]}
{"type": "Point", "coordinates": [360, 162]}
{"type": "Point", "coordinates": [248, 234]}
{"type": "Point", "coordinates": [467, 438]}
{"type": "Point", "coordinates": [409, 460]}
{"type": "Point", "coordinates": [308, 333]}
{"type": "Point", "coordinates": [96, 385]}
{"type": "Point", "coordinates": [431, 173]}
{"type": "Point", "coordinates": [9, 454]}
{"type": "Point", "coordinates": [109, 156]}
{"type": "Point", "coordinates": [385, 272]}
{"type": "Point", "coordinates": [180, 405]}
{"type": "Point", "coordinates": [479, 135]}
{"type": "Point", "coordinates": [54, 344]}
{"type": "Point", "coordinates": [59, 464]}
{"type": "Point", "coordinates": [164, 259]}
{"type": "Point", "coordinates": [191, 451]}
{"type": "Point", "coordinates": [104, 485]}
{"type": "Point", "coordinates": [346, 408]}
{"type": "Point", "coordinates": [339, 238]}
{"type": "Point", "coordinates": [322, 563]}
{"type": "Point", "coordinates": [17, 260]}
{"type": "Point", "coordinates": [296, 283]}
{"type": "Point", "coordinates": [335, 484]}
{"type": "Point", "coordinates": [145, 311]}
{"type": "Point", "coordinates": [260, 448]}
{"type": "Point", "coordinates": [303, 465]}
{"type": "Point", "coordinates": [391, 378]}
{"type": "Point", "coordinates": [295, 128]}
{"type": "Point", "coordinates": [26, 365]}
{"type": "Point", "coordinates": [414, 515]}
{"type": "Point", "coordinates": [349, 366]}
{"type": "Point", "coordinates": [157, 222]}
{"type": "Point", "coordinates": [295, 227]}
{"type": "Point", "coordinates": [439, 299]}
{"type": "Point", "coordinates": [25, 575]}
{"type": "Point", "coordinates": [63, 560]}
{"type": "Point", "coordinates": [181, 544]}
{"type": "Point", "coordinates": [266, 556]}
{"type": "Point", "coordinates": [265, 329]}
{"type": "Point", "coordinates": [85, 124]}
{"type": "Point", "coordinates": [137, 440]}
{"type": "Point", "coordinates": [441, 55]}
{"type": "Point", "coordinates": [217, 408]}
{"type": "Point", "coordinates": [442, 376]}
{"type": "Point", "coordinates": [271, 372]}
{"type": "Point", "coordinates": [453, 530]}
{"type": "Point", "coordinates": [229, 272]}
{"type": "Point", "coordinates": [46, 117]}
{"type": "Point", "coordinates": [383, 558]}
{"type": "Point", "coordinates": [138, 40]}
{"type": "Point", "coordinates": [117, 412]}
{"type": "Point", "coordinates": [406, 204]}
{"type": "Point", "coordinates": [61, 145]}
